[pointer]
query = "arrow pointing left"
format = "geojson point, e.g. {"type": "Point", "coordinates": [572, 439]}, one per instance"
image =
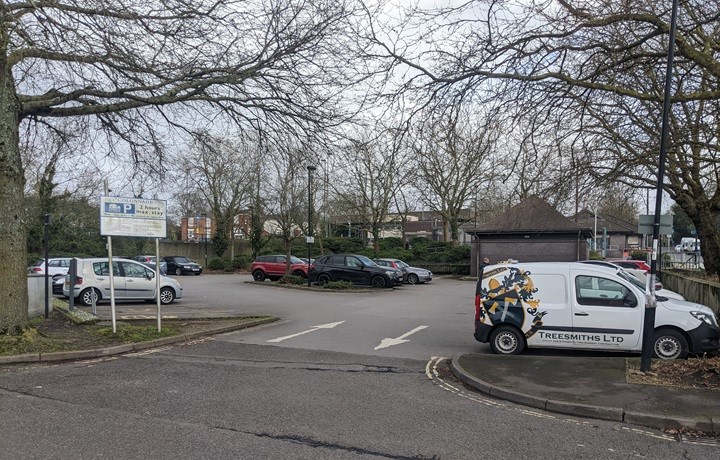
{"type": "Point", "coordinates": [384, 343]}
{"type": "Point", "coordinates": [314, 328]}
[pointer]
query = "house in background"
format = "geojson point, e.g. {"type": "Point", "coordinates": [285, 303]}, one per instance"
{"type": "Point", "coordinates": [615, 237]}
{"type": "Point", "coordinates": [531, 231]}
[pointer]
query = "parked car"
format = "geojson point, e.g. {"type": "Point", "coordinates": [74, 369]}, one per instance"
{"type": "Point", "coordinates": [581, 306]}
{"type": "Point", "coordinates": [628, 263]}
{"type": "Point", "coordinates": [181, 265]}
{"type": "Point", "coordinates": [273, 267]}
{"type": "Point", "coordinates": [150, 262]}
{"type": "Point", "coordinates": [411, 275]}
{"type": "Point", "coordinates": [57, 267]}
{"type": "Point", "coordinates": [354, 268]}
{"type": "Point", "coordinates": [133, 281]}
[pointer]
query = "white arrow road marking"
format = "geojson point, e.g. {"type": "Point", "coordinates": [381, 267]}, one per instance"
{"type": "Point", "coordinates": [314, 328]}
{"type": "Point", "coordinates": [384, 343]}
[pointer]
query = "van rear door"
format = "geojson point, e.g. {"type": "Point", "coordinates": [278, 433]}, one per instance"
{"type": "Point", "coordinates": [607, 313]}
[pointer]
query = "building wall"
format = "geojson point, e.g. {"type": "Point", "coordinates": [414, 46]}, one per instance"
{"type": "Point", "coordinates": [526, 248]}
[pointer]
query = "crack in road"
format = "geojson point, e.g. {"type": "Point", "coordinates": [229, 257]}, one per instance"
{"type": "Point", "coordinates": [308, 441]}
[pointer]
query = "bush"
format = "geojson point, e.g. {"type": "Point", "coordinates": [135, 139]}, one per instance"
{"type": "Point", "coordinates": [343, 285]}
{"type": "Point", "coordinates": [218, 264]}
{"type": "Point", "coordinates": [596, 255]}
{"type": "Point", "coordinates": [241, 262]}
{"type": "Point", "coordinates": [638, 255]}
{"type": "Point", "coordinates": [292, 279]}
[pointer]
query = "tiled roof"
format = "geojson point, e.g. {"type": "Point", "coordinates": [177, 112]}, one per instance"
{"type": "Point", "coordinates": [533, 214]}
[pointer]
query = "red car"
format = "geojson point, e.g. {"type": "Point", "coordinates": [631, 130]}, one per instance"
{"type": "Point", "coordinates": [273, 267]}
{"type": "Point", "coordinates": [636, 264]}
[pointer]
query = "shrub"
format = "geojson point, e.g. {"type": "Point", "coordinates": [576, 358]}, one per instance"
{"type": "Point", "coordinates": [241, 262]}
{"type": "Point", "coordinates": [343, 285]}
{"type": "Point", "coordinates": [292, 279]}
{"type": "Point", "coordinates": [638, 255]}
{"type": "Point", "coordinates": [596, 255]}
{"type": "Point", "coordinates": [218, 264]}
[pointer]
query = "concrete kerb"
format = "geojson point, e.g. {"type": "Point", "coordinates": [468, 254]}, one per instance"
{"type": "Point", "coordinates": [615, 414]}
{"type": "Point", "coordinates": [129, 347]}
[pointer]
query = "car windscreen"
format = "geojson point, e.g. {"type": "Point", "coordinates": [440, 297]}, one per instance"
{"type": "Point", "coordinates": [367, 262]}
{"type": "Point", "coordinates": [628, 277]}
{"type": "Point", "coordinates": [296, 260]}
{"type": "Point", "coordinates": [402, 264]}
{"type": "Point", "coordinates": [183, 260]}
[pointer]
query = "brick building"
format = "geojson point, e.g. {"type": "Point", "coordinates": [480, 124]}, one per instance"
{"type": "Point", "coordinates": [531, 231]}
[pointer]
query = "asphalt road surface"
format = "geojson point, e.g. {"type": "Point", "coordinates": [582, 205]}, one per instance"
{"type": "Point", "coordinates": [298, 390]}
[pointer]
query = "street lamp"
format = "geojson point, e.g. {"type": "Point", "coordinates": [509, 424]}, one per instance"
{"type": "Point", "coordinates": [310, 239]}
{"type": "Point", "coordinates": [649, 316]}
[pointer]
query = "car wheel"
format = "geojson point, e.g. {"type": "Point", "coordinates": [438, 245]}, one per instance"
{"type": "Point", "coordinates": [167, 296]}
{"type": "Point", "coordinates": [178, 271]}
{"type": "Point", "coordinates": [323, 278]}
{"type": "Point", "coordinates": [86, 296]}
{"type": "Point", "coordinates": [670, 344]}
{"type": "Point", "coordinates": [506, 340]}
{"type": "Point", "coordinates": [299, 273]}
{"type": "Point", "coordinates": [413, 279]}
{"type": "Point", "coordinates": [377, 282]}
{"type": "Point", "coordinates": [259, 276]}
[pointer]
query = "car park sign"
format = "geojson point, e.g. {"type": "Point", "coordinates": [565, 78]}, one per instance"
{"type": "Point", "coordinates": [121, 216]}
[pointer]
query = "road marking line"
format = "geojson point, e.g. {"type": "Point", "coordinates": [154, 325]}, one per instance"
{"type": "Point", "coordinates": [384, 343]}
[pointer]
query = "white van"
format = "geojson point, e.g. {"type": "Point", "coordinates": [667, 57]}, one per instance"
{"type": "Point", "coordinates": [583, 306]}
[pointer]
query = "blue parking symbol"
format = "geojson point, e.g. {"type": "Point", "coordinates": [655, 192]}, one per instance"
{"type": "Point", "coordinates": [120, 208]}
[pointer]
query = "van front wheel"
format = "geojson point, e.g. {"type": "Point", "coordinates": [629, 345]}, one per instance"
{"type": "Point", "coordinates": [669, 344]}
{"type": "Point", "coordinates": [506, 340]}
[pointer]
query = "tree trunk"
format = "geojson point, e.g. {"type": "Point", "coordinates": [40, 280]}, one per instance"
{"type": "Point", "coordinates": [13, 225]}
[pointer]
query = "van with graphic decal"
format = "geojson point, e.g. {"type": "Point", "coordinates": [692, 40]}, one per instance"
{"type": "Point", "coordinates": [581, 306]}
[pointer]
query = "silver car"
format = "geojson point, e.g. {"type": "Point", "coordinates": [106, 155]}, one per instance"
{"type": "Point", "coordinates": [411, 275]}
{"type": "Point", "coordinates": [133, 281]}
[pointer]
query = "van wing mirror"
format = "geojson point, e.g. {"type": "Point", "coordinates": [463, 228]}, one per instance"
{"type": "Point", "coordinates": [629, 300]}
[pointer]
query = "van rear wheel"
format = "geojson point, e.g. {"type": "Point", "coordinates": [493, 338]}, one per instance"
{"type": "Point", "coordinates": [506, 340]}
{"type": "Point", "coordinates": [670, 344]}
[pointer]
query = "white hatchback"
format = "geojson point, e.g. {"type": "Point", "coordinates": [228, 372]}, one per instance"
{"type": "Point", "coordinates": [132, 280]}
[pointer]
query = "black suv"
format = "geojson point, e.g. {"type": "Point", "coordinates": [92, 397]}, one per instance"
{"type": "Point", "coordinates": [354, 268]}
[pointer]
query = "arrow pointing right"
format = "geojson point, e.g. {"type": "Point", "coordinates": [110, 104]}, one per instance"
{"type": "Point", "coordinates": [314, 328]}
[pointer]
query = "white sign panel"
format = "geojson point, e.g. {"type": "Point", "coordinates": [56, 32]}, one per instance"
{"type": "Point", "coordinates": [121, 216]}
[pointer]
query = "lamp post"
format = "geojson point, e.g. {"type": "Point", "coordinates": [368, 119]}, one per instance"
{"type": "Point", "coordinates": [310, 239]}
{"type": "Point", "coordinates": [651, 304]}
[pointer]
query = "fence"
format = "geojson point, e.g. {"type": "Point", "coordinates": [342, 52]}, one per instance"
{"type": "Point", "coordinates": [696, 290]}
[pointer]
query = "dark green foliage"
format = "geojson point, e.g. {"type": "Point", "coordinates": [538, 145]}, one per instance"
{"type": "Point", "coordinates": [292, 279]}
{"type": "Point", "coordinates": [343, 245]}
{"type": "Point", "coordinates": [391, 244]}
{"type": "Point", "coordinates": [219, 264]}
{"type": "Point", "coordinates": [220, 243]}
{"type": "Point", "coordinates": [596, 255]}
{"type": "Point", "coordinates": [242, 262]}
{"type": "Point", "coordinates": [341, 285]}
{"type": "Point", "coordinates": [638, 255]}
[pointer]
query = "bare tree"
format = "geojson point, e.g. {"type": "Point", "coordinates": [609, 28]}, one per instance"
{"type": "Point", "coordinates": [453, 162]}
{"type": "Point", "coordinates": [285, 195]}
{"type": "Point", "coordinates": [222, 172]}
{"type": "Point", "coordinates": [131, 67]}
{"type": "Point", "coordinates": [374, 172]}
{"type": "Point", "coordinates": [602, 64]}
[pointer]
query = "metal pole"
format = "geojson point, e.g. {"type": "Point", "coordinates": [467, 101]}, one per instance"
{"type": "Point", "coordinates": [46, 222]}
{"type": "Point", "coordinates": [310, 169]}
{"type": "Point", "coordinates": [650, 304]}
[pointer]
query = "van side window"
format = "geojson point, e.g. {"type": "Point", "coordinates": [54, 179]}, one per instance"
{"type": "Point", "coordinates": [593, 290]}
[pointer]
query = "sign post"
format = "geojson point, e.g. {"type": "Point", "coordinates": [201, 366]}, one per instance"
{"type": "Point", "coordinates": [124, 216]}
